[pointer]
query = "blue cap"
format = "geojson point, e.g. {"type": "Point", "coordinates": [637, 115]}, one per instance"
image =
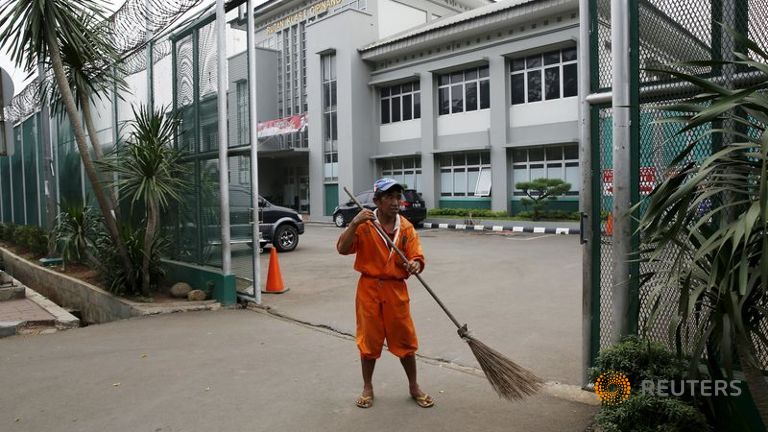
{"type": "Point", "coordinates": [384, 184]}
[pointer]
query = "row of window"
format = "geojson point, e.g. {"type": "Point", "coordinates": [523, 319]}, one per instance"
{"type": "Point", "coordinates": [534, 78]}
{"type": "Point", "coordinates": [468, 174]}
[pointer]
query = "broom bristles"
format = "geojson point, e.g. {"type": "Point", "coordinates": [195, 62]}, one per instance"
{"type": "Point", "coordinates": [510, 380]}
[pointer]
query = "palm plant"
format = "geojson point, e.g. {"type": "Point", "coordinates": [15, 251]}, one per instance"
{"type": "Point", "coordinates": [91, 74]}
{"type": "Point", "coordinates": [74, 232]}
{"type": "Point", "coordinates": [35, 31]}
{"type": "Point", "coordinates": [712, 218]}
{"type": "Point", "coordinates": [149, 172]}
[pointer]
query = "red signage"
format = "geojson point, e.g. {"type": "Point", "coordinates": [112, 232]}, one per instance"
{"type": "Point", "coordinates": [282, 126]}
{"type": "Point", "coordinates": [647, 181]}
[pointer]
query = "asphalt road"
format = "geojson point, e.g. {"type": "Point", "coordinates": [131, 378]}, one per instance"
{"type": "Point", "coordinates": [519, 293]}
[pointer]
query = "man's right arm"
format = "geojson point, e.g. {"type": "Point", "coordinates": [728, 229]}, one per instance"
{"type": "Point", "coordinates": [345, 245]}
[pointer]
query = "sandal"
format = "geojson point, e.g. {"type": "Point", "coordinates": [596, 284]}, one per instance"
{"type": "Point", "coordinates": [424, 401]}
{"type": "Point", "coordinates": [364, 401]}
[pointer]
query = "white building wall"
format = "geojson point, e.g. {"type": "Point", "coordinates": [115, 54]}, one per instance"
{"type": "Point", "coordinates": [394, 17]}
{"type": "Point", "coordinates": [546, 112]}
{"type": "Point", "coordinates": [461, 123]}
{"type": "Point", "coordinates": [399, 131]}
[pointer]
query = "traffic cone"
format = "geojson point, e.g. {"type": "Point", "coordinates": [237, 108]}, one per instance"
{"type": "Point", "coordinates": [274, 277]}
{"type": "Point", "coordinates": [609, 225]}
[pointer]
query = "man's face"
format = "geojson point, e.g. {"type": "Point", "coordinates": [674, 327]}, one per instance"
{"type": "Point", "coordinates": [389, 203]}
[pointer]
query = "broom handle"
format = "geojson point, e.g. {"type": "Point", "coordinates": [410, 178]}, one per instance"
{"type": "Point", "coordinates": [405, 260]}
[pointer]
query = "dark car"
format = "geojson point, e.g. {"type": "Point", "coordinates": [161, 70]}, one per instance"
{"type": "Point", "coordinates": [411, 207]}
{"type": "Point", "coordinates": [278, 225]}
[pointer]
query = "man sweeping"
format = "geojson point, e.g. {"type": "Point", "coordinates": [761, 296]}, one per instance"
{"type": "Point", "coordinates": [382, 302]}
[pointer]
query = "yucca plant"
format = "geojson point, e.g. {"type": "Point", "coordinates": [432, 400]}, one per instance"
{"type": "Point", "coordinates": [710, 218]}
{"type": "Point", "coordinates": [149, 172]}
{"type": "Point", "coordinates": [74, 232]}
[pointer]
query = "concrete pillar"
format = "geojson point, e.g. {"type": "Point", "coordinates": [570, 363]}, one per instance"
{"type": "Point", "coordinates": [429, 169]}
{"type": "Point", "coordinates": [315, 108]}
{"type": "Point", "coordinates": [497, 67]}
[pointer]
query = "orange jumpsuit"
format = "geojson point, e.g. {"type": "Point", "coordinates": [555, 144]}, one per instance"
{"type": "Point", "coordinates": [382, 304]}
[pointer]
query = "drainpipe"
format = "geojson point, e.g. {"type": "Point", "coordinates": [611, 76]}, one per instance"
{"type": "Point", "coordinates": [221, 46]}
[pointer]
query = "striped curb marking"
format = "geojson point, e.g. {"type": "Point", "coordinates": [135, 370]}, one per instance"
{"type": "Point", "coordinates": [501, 228]}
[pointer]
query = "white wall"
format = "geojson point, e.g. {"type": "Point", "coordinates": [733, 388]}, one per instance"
{"type": "Point", "coordinates": [538, 113]}
{"type": "Point", "coordinates": [396, 17]}
{"type": "Point", "coordinates": [163, 88]}
{"type": "Point", "coordinates": [401, 130]}
{"type": "Point", "coordinates": [137, 83]}
{"type": "Point", "coordinates": [466, 122]}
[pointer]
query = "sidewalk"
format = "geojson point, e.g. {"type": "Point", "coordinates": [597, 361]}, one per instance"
{"type": "Point", "coordinates": [238, 370]}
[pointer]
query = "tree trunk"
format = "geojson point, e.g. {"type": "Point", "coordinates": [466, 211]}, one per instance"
{"type": "Point", "coordinates": [85, 103]}
{"type": "Point", "coordinates": [149, 237]}
{"type": "Point", "coordinates": [90, 170]}
{"type": "Point", "coordinates": [754, 376]}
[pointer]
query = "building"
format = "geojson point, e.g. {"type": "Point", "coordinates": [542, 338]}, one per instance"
{"type": "Point", "coordinates": [457, 99]}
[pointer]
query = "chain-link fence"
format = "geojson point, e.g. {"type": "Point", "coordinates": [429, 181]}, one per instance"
{"type": "Point", "coordinates": [669, 32]}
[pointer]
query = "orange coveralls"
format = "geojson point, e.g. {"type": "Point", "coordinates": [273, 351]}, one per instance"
{"type": "Point", "coordinates": [382, 305]}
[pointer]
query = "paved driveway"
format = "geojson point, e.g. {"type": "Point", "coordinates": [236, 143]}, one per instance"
{"type": "Point", "coordinates": [520, 293]}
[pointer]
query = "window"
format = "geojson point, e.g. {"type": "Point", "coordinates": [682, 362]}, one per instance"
{"type": "Point", "coordinates": [244, 170]}
{"type": "Point", "coordinates": [242, 112]}
{"type": "Point", "coordinates": [547, 76]}
{"type": "Point", "coordinates": [560, 162]}
{"type": "Point", "coordinates": [400, 102]}
{"type": "Point", "coordinates": [330, 125]}
{"type": "Point", "coordinates": [467, 90]}
{"type": "Point", "coordinates": [460, 173]}
{"type": "Point", "coordinates": [407, 171]}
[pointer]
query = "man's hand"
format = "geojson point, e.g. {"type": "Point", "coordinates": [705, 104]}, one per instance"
{"type": "Point", "coordinates": [412, 267]}
{"type": "Point", "coordinates": [364, 215]}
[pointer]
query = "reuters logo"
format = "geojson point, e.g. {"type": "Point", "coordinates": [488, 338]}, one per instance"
{"type": "Point", "coordinates": [612, 388]}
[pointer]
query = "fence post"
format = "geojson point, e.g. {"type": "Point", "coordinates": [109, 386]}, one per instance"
{"type": "Point", "coordinates": [586, 199]}
{"type": "Point", "coordinates": [221, 75]}
{"type": "Point", "coordinates": [622, 230]}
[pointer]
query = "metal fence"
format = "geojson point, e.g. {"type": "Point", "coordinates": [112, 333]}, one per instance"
{"type": "Point", "coordinates": [667, 32]}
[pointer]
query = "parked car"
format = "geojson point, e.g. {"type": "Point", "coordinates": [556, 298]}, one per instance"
{"type": "Point", "coordinates": [412, 207]}
{"type": "Point", "coordinates": [280, 226]}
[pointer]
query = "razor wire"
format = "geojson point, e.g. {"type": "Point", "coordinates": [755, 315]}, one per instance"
{"type": "Point", "coordinates": [134, 23]}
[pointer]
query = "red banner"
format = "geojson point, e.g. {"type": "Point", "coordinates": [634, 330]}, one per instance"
{"type": "Point", "coordinates": [283, 126]}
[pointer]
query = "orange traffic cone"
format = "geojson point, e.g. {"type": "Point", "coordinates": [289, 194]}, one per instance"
{"type": "Point", "coordinates": [274, 278]}
{"type": "Point", "coordinates": [609, 225]}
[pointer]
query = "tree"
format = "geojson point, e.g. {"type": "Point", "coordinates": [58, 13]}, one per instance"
{"type": "Point", "coordinates": [90, 74]}
{"type": "Point", "coordinates": [35, 31]}
{"type": "Point", "coordinates": [540, 190]}
{"type": "Point", "coordinates": [709, 219]}
{"type": "Point", "coordinates": [150, 172]}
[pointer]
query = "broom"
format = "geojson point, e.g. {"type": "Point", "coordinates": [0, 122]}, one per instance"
{"type": "Point", "coordinates": [505, 376]}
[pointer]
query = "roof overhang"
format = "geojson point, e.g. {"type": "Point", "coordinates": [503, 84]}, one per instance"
{"type": "Point", "coordinates": [502, 15]}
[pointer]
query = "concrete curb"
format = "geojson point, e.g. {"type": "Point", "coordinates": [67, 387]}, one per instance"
{"type": "Point", "coordinates": [9, 328]}
{"type": "Point", "coordinates": [502, 228]}
{"type": "Point", "coordinates": [63, 319]}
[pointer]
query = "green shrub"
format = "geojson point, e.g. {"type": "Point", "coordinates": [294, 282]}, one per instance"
{"type": "Point", "coordinates": [650, 413]}
{"type": "Point", "coordinates": [639, 360]}
{"type": "Point", "coordinates": [550, 215]}
{"type": "Point", "coordinates": [110, 266]}
{"type": "Point", "coordinates": [464, 212]}
{"type": "Point", "coordinates": [6, 232]}
{"type": "Point", "coordinates": [31, 239]}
